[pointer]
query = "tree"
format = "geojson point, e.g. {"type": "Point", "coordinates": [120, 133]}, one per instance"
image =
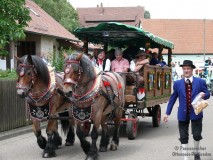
{"type": "Point", "coordinates": [13, 19]}
{"type": "Point", "coordinates": [147, 15]}
{"type": "Point", "coordinates": [62, 11]}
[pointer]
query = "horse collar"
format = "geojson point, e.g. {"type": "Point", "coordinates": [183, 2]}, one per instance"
{"type": "Point", "coordinates": [91, 94]}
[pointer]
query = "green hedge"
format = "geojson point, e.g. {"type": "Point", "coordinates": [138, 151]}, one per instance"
{"type": "Point", "coordinates": [8, 74]}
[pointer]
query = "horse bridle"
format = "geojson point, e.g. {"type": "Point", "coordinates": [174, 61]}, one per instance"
{"type": "Point", "coordinates": [67, 70]}
{"type": "Point", "coordinates": [22, 73]}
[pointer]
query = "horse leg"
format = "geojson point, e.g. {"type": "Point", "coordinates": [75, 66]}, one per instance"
{"type": "Point", "coordinates": [54, 140]}
{"type": "Point", "coordinates": [68, 128]}
{"type": "Point", "coordinates": [93, 152]}
{"type": "Point", "coordinates": [115, 139]}
{"type": "Point", "coordinates": [104, 136]}
{"type": "Point", "coordinates": [70, 137]}
{"type": "Point", "coordinates": [85, 145]}
{"type": "Point", "coordinates": [37, 131]}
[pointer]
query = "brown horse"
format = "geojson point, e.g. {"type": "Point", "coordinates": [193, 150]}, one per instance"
{"type": "Point", "coordinates": [37, 83]}
{"type": "Point", "coordinates": [96, 97]}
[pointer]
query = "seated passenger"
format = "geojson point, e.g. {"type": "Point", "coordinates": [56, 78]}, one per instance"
{"type": "Point", "coordinates": [120, 64]}
{"type": "Point", "coordinates": [130, 52]}
{"type": "Point", "coordinates": [164, 62]}
{"type": "Point", "coordinates": [154, 60]}
{"type": "Point", "coordinates": [136, 66]}
{"type": "Point", "coordinates": [102, 62]}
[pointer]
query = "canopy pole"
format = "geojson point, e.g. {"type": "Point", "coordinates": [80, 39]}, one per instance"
{"type": "Point", "coordinates": [160, 49]}
{"type": "Point", "coordinates": [169, 57]}
{"type": "Point", "coordinates": [85, 46]}
{"type": "Point", "coordinates": [105, 46]}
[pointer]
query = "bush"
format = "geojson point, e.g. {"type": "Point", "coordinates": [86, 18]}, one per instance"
{"type": "Point", "coordinates": [58, 60]}
{"type": "Point", "coordinates": [8, 74]}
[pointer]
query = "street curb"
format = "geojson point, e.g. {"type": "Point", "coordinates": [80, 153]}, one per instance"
{"type": "Point", "coordinates": [17, 132]}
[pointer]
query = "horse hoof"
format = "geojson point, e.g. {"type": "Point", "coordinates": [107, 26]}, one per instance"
{"type": "Point", "coordinates": [91, 158]}
{"type": "Point", "coordinates": [113, 147]}
{"type": "Point", "coordinates": [49, 155]}
{"type": "Point", "coordinates": [69, 144]}
{"type": "Point", "coordinates": [103, 149]}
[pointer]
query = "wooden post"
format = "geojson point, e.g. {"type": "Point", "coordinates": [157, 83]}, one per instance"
{"type": "Point", "coordinates": [160, 49]}
{"type": "Point", "coordinates": [85, 46]}
{"type": "Point", "coordinates": [169, 57]}
{"type": "Point", "coordinates": [105, 46]}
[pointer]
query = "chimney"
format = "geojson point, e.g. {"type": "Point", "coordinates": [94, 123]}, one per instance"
{"type": "Point", "coordinates": [101, 9]}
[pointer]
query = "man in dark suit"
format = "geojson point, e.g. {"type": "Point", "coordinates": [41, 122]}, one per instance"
{"type": "Point", "coordinates": [186, 89]}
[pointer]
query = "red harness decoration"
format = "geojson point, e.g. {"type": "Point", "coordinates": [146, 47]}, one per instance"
{"type": "Point", "coordinates": [106, 83]}
{"type": "Point", "coordinates": [119, 85]}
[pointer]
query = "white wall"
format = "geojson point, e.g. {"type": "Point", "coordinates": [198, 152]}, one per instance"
{"type": "Point", "coordinates": [3, 64]}
{"type": "Point", "coordinates": [195, 58]}
{"type": "Point", "coordinates": [47, 44]}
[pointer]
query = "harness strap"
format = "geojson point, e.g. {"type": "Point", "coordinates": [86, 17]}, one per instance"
{"type": "Point", "coordinates": [111, 95]}
{"type": "Point", "coordinates": [119, 83]}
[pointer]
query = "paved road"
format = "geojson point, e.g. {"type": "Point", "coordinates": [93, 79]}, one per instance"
{"type": "Point", "coordinates": [151, 143]}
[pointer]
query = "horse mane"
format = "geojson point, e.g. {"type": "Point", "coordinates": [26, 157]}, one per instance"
{"type": "Point", "coordinates": [40, 66]}
{"type": "Point", "coordinates": [85, 63]}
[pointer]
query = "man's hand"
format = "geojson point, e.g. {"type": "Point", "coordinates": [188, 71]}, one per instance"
{"type": "Point", "coordinates": [165, 118]}
{"type": "Point", "coordinates": [202, 94]}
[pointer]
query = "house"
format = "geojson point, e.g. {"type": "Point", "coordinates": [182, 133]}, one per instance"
{"type": "Point", "coordinates": [192, 38]}
{"type": "Point", "coordinates": [92, 16]}
{"type": "Point", "coordinates": [44, 35]}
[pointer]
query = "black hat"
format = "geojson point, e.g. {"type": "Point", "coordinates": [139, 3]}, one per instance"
{"type": "Point", "coordinates": [100, 51]}
{"type": "Point", "coordinates": [188, 63]}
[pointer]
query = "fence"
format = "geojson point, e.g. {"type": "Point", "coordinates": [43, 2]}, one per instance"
{"type": "Point", "coordinates": [13, 112]}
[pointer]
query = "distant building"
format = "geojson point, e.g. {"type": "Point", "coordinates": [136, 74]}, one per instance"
{"type": "Point", "coordinates": [192, 38]}
{"type": "Point", "coordinates": [96, 15]}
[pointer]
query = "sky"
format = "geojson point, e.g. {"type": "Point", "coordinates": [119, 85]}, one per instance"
{"type": "Point", "coordinates": [159, 9]}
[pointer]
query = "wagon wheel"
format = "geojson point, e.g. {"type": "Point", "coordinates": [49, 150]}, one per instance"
{"type": "Point", "coordinates": [156, 116]}
{"type": "Point", "coordinates": [132, 126]}
{"type": "Point", "coordinates": [87, 126]}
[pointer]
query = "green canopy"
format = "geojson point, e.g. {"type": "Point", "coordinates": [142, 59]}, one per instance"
{"type": "Point", "coordinates": [119, 34]}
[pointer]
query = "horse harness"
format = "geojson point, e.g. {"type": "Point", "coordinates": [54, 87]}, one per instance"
{"type": "Point", "coordinates": [101, 79]}
{"type": "Point", "coordinates": [39, 112]}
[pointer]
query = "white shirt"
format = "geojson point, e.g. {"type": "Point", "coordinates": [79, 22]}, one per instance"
{"type": "Point", "coordinates": [190, 78]}
{"type": "Point", "coordinates": [132, 65]}
{"type": "Point", "coordinates": [107, 66]}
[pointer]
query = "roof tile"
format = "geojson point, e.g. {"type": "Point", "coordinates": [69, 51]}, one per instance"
{"type": "Point", "coordinates": [43, 23]}
{"type": "Point", "coordinates": [186, 34]}
{"type": "Point", "coordinates": [126, 15]}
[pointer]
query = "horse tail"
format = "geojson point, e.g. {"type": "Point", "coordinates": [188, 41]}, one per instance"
{"type": "Point", "coordinates": [65, 124]}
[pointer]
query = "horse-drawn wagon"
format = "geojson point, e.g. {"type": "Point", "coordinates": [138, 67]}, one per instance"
{"type": "Point", "coordinates": [157, 80]}
{"type": "Point", "coordinates": [89, 95]}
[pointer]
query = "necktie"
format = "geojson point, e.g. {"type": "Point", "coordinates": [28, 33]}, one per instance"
{"type": "Point", "coordinates": [188, 81]}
